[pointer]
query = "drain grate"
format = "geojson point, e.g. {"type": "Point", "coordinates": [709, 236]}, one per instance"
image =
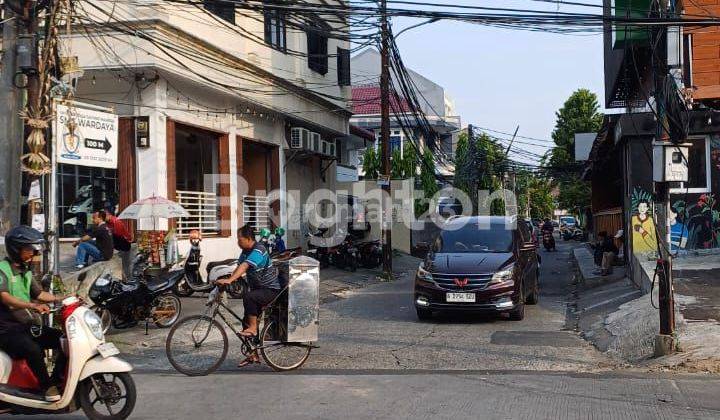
{"type": "Point", "coordinates": [536, 338]}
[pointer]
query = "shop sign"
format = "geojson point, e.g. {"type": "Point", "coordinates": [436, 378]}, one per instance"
{"type": "Point", "coordinates": [86, 137]}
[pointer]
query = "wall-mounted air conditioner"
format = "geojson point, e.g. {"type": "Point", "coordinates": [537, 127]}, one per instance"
{"type": "Point", "coordinates": [315, 142]}
{"type": "Point", "coordinates": [297, 134]}
{"type": "Point", "coordinates": [324, 147]}
{"type": "Point", "coordinates": [331, 148]}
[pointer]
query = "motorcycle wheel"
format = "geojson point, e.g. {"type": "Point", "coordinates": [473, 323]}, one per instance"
{"type": "Point", "coordinates": [183, 289]}
{"type": "Point", "coordinates": [166, 310]}
{"type": "Point", "coordinates": [105, 317]}
{"type": "Point", "coordinates": [351, 263]}
{"type": "Point", "coordinates": [102, 392]}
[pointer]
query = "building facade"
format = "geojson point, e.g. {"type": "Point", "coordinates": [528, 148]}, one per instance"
{"type": "Point", "coordinates": [210, 98]}
{"type": "Point", "coordinates": [436, 105]}
{"type": "Point", "coordinates": [621, 160]}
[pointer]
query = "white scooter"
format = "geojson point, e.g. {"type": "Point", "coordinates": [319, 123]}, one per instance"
{"type": "Point", "coordinates": [96, 380]}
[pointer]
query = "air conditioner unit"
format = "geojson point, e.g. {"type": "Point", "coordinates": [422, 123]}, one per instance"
{"type": "Point", "coordinates": [315, 144]}
{"type": "Point", "coordinates": [325, 147]}
{"type": "Point", "coordinates": [296, 137]}
{"type": "Point", "coordinates": [331, 148]}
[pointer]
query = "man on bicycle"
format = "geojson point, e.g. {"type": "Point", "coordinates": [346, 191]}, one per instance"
{"type": "Point", "coordinates": [262, 277]}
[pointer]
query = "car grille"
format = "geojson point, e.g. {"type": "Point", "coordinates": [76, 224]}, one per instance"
{"type": "Point", "coordinates": [474, 281]}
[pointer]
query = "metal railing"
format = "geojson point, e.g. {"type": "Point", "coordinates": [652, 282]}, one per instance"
{"type": "Point", "coordinates": [203, 209]}
{"type": "Point", "coordinates": [256, 211]}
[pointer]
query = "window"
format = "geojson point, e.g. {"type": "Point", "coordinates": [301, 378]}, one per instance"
{"type": "Point", "coordinates": [395, 143]}
{"type": "Point", "coordinates": [687, 60]}
{"type": "Point", "coordinates": [225, 10]}
{"type": "Point", "coordinates": [276, 29]}
{"type": "Point", "coordinates": [343, 67]}
{"type": "Point", "coordinates": [317, 43]}
{"type": "Point", "coordinates": [698, 168]}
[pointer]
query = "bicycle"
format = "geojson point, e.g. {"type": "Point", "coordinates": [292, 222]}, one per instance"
{"type": "Point", "coordinates": [198, 345]}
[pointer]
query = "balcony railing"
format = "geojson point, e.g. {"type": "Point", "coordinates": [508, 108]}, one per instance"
{"type": "Point", "coordinates": [256, 211]}
{"type": "Point", "coordinates": [203, 209]}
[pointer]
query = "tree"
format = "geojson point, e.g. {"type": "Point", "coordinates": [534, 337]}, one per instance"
{"type": "Point", "coordinates": [535, 191]}
{"type": "Point", "coordinates": [371, 163]}
{"type": "Point", "coordinates": [428, 182]}
{"type": "Point", "coordinates": [579, 114]}
{"type": "Point", "coordinates": [479, 164]}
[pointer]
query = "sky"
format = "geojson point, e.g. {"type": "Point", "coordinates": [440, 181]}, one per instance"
{"type": "Point", "coordinates": [503, 78]}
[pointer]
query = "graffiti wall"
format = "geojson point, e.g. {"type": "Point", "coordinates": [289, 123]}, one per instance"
{"type": "Point", "coordinates": [695, 222]}
{"type": "Point", "coordinates": [644, 238]}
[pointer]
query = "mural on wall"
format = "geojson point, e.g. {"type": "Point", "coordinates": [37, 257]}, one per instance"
{"type": "Point", "coordinates": [644, 239]}
{"type": "Point", "coordinates": [698, 223]}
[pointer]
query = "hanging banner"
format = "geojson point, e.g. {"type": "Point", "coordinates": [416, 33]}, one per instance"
{"type": "Point", "coordinates": [86, 137]}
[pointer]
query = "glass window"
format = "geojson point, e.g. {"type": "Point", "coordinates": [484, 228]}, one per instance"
{"type": "Point", "coordinates": [275, 29]}
{"type": "Point", "coordinates": [395, 143]}
{"type": "Point", "coordinates": [81, 191]}
{"type": "Point", "coordinates": [473, 238]}
{"type": "Point", "coordinates": [222, 9]}
{"type": "Point", "coordinates": [317, 46]}
{"type": "Point", "coordinates": [698, 167]}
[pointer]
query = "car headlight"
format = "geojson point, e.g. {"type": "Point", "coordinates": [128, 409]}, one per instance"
{"type": "Point", "coordinates": [503, 278]}
{"type": "Point", "coordinates": [423, 274]}
{"type": "Point", "coordinates": [94, 324]}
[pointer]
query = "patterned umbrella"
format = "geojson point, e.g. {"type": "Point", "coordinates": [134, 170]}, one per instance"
{"type": "Point", "coordinates": [153, 207]}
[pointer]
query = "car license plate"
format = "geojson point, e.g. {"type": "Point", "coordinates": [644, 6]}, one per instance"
{"type": "Point", "coordinates": [107, 350]}
{"type": "Point", "coordinates": [460, 297]}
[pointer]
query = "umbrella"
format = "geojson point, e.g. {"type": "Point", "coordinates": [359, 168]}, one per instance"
{"type": "Point", "coordinates": [153, 207]}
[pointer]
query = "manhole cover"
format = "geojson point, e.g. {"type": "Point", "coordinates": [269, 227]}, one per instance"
{"type": "Point", "coordinates": [536, 338]}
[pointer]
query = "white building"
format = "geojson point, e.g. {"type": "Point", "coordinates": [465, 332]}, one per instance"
{"type": "Point", "coordinates": [435, 103]}
{"type": "Point", "coordinates": [221, 91]}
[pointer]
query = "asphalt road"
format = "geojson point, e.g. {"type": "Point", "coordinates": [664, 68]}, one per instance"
{"type": "Point", "coordinates": [377, 361]}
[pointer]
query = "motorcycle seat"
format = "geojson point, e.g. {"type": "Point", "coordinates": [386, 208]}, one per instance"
{"type": "Point", "coordinates": [164, 280]}
{"type": "Point", "coordinates": [21, 393]}
{"type": "Point", "coordinates": [214, 264]}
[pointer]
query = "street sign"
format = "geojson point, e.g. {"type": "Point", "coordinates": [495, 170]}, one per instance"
{"type": "Point", "coordinates": [86, 137]}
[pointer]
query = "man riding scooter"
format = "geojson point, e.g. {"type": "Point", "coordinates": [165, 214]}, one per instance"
{"type": "Point", "coordinates": [547, 235]}
{"type": "Point", "coordinates": [19, 295]}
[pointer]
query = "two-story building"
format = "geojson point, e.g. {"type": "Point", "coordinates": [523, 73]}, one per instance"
{"type": "Point", "coordinates": [243, 112]}
{"type": "Point", "coordinates": [620, 165]}
{"type": "Point", "coordinates": [436, 105]}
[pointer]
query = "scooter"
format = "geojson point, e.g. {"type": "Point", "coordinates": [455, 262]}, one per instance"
{"type": "Point", "coordinates": [370, 253]}
{"type": "Point", "coordinates": [548, 241]}
{"type": "Point", "coordinates": [97, 381]}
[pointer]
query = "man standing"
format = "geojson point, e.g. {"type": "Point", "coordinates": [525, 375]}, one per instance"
{"type": "Point", "coordinates": [20, 294]}
{"type": "Point", "coordinates": [121, 237]}
{"type": "Point", "coordinates": [98, 244]}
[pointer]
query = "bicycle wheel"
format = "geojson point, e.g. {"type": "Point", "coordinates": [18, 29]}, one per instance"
{"type": "Point", "coordinates": [197, 345]}
{"type": "Point", "coordinates": [280, 355]}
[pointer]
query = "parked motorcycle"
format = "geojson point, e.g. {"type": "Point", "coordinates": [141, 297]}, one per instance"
{"type": "Point", "coordinates": [345, 255]}
{"type": "Point", "coordinates": [125, 304]}
{"type": "Point", "coordinates": [320, 253]}
{"type": "Point", "coordinates": [97, 381]}
{"type": "Point", "coordinates": [370, 254]}
{"type": "Point", "coordinates": [573, 234]}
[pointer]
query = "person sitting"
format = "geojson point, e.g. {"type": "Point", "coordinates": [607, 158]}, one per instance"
{"type": "Point", "coordinates": [607, 249]}
{"type": "Point", "coordinates": [97, 244]}
{"type": "Point", "coordinates": [262, 277]}
{"type": "Point", "coordinates": [19, 294]}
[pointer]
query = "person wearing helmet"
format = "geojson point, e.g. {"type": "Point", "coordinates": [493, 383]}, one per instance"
{"type": "Point", "coordinates": [20, 294]}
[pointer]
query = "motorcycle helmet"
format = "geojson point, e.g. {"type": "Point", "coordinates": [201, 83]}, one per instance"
{"type": "Point", "coordinates": [21, 237]}
{"type": "Point", "coordinates": [264, 233]}
{"type": "Point", "coordinates": [279, 232]}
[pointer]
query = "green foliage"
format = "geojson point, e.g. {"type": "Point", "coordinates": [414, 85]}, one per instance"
{"type": "Point", "coordinates": [479, 165]}
{"type": "Point", "coordinates": [579, 114]}
{"type": "Point", "coordinates": [428, 183]}
{"type": "Point", "coordinates": [397, 167]}
{"type": "Point", "coordinates": [371, 163]}
{"type": "Point", "coordinates": [537, 192]}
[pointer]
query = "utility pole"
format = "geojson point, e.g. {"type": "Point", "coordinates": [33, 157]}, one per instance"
{"type": "Point", "coordinates": [385, 138]}
{"type": "Point", "coordinates": [11, 128]}
{"type": "Point", "coordinates": [665, 341]}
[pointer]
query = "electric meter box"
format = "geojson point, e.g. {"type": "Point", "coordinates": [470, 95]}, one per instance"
{"type": "Point", "coordinates": [670, 162]}
{"type": "Point", "coordinates": [303, 304]}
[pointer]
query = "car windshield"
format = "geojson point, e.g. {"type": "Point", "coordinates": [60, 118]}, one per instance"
{"type": "Point", "coordinates": [471, 238]}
